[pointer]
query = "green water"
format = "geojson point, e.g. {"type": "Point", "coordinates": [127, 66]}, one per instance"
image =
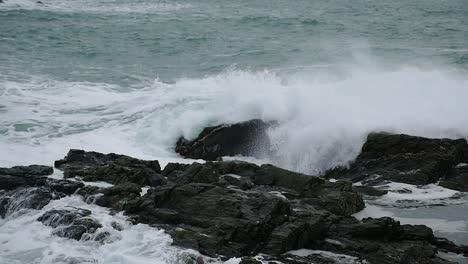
{"type": "Point", "coordinates": [125, 42]}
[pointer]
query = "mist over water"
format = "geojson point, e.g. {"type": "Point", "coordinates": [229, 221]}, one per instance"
{"type": "Point", "coordinates": [324, 115]}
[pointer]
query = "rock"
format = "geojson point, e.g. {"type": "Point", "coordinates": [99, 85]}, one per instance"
{"type": "Point", "coordinates": [117, 197]}
{"type": "Point", "coordinates": [246, 138]}
{"type": "Point", "coordinates": [234, 209]}
{"type": "Point", "coordinates": [112, 168]}
{"type": "Point", "coordinates": [403, 158]}
{"type": "Point", "coordinates": [25, 198]}
{"type": "Point", "coordinates": [72, 223]}
{"type": "Point", "coordinates": [23, 176]}
{"type": "Point", "coordinates": [172, 170]}
{"type": "Point", "coordinates": [368, 190]}
{"type": "Point", "coordinates": [457, 178]}
{"type": "Point", "coordinates": [31, 170]}
{"type": "Point", "coordinates": [64, 186]}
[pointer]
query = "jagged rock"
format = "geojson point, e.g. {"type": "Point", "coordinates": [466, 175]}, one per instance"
{"type": "Point", "coordinates": [403, 158]}
{"type": "Point", "coordinates": [73, 223]}
{"type": "Point", "coordinates": [237, 209]}
{"type": "Point", "coordinates": [457, 178]}
{"type": "Point", "coordinates": [26, 198]}
{"type": "Point", "coordinates": [246, 138]}
{"type": "Point", "coordinates": [112, 168]}
{"type": "Point", "coordinates": [64, 186]}
{"type": "Point", "coordinates": [368, 190]}
{"type": "Point", "coordinates": [117, 197]}
{"type": "Point", "coordinates": [23, 176]}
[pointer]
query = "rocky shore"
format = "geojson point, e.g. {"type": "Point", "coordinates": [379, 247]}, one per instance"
{"type": "Point", "coordinates": [226, 209]}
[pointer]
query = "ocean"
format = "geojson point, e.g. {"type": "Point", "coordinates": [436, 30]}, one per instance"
{"type": "Point", "coordinates": [131, 77]}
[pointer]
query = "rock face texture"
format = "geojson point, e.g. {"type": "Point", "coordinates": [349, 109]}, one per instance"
{"type": "Point", "coordinates": [111, 168]}
{"type": "Point", "coordinates": [406, 159]}
{"type": "Point", "coordinates": [27, 187]}
{"type": "Point", "coordinates": [73, 223]}
{"type": "Point", "coordinates": [246, 138]}
{"type": "Point", "coordinates": [233, 209]}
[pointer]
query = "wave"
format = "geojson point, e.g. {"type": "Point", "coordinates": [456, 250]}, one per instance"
{"type": "Point", "coordinates": [324, 114]}
{"type": "Point", "coordinates": [98, 7]}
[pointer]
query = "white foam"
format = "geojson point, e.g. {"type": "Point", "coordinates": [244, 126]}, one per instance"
{"type": "Point", "coordinates": [402, 191]}
{"type": "Point", "coordinates": [437, 224]}
{"type": "Point", "coordinates": [339, 258]}
{"type": "Point", "coordinates": [25, 240]}
{"type": "Point", "coordinates": [323, 118]}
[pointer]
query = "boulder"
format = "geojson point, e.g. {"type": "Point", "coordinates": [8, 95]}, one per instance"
{"type": "Point", "coordinates": [70, 223]}
{"type": "Point", "coordinates": [246, 138]}
{"type": "Point", "coordinates": [403, 158]}
{"type": "Point", "coordinates": [112, 168]}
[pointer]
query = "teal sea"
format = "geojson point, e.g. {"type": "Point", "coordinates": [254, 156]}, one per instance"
{"type": "Point", "coordinates": [133, 76]}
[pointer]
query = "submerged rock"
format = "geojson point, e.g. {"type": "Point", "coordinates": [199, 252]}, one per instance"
{"type": "Point", "coordinates": [404, 158]}
{"type": "Point", "coordinates": [111, 168]}
{"type": "Point", "coordinates": [246, 138]}
{"type": "Point", "coordinates": [72, 223]}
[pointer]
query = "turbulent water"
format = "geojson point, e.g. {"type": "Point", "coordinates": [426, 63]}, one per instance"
{"type": "Point", "coordinates": [133, 76]}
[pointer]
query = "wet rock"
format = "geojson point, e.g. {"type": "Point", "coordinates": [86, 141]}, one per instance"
{"type": "Point", "coordinates": [403, 158]}
{"type": "Point", "coordinates": [236, 208]}
{"type": "Point", "coordinates": [31, 170]}
{"type": "Point", "coordinates": [23, 176]}
{"type": "Point", "coordinates": [118, 196]}
{"type": "Point", "coordinates": [26, 198]}
{"type": "Point", "coordinates": [112, 168]}
{"type": "Point", "coordinates": [457, 178]}
{"type": "Point", "coordinates": [172, 170]}
{"type": "Point", "coordinates": [64, 186]}
{"type": "Point", "coordinates": [368, 190]}
{"type": "Point", "coordinates": [71, 223]}
{"type": "Point", "coordinates": [246, 138]}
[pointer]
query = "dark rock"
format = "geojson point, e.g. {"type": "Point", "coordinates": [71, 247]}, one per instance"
{"type": "Point", "coordinates": [368, 190]}
{"type": "Point", "coordinates": [246, 138]}
{"type": "Point", "coordinates": [23, 176]}
{"type": "Point", "coordinates": [117, 197]}
{"type": "Point", "coordinates": [457, 178]}
{"type": "Point", "coordinates": [64, 186]}
{"type": "Point", "coordinates": [235, 209]}
{"type": "Point", "coordinates": [243, 183]}
{"type": "Point", "coordinates": [73, 223]}
{"type": "Point", "coordinates": [32, 170]}
{"type": "Point", "coordinates": [112, 168]}
{"type": "Point", "coordinates": [172, 170]}
{"type": "Point", "coordinates": [403, 158]}
{"type": "Point", "coordinates": [26, 198]}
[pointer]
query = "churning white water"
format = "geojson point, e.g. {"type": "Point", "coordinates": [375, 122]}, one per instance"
{"type": "Point", "coordinates": [323, 117]}
{"type": "Point", "coordinates": [23, 240]}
